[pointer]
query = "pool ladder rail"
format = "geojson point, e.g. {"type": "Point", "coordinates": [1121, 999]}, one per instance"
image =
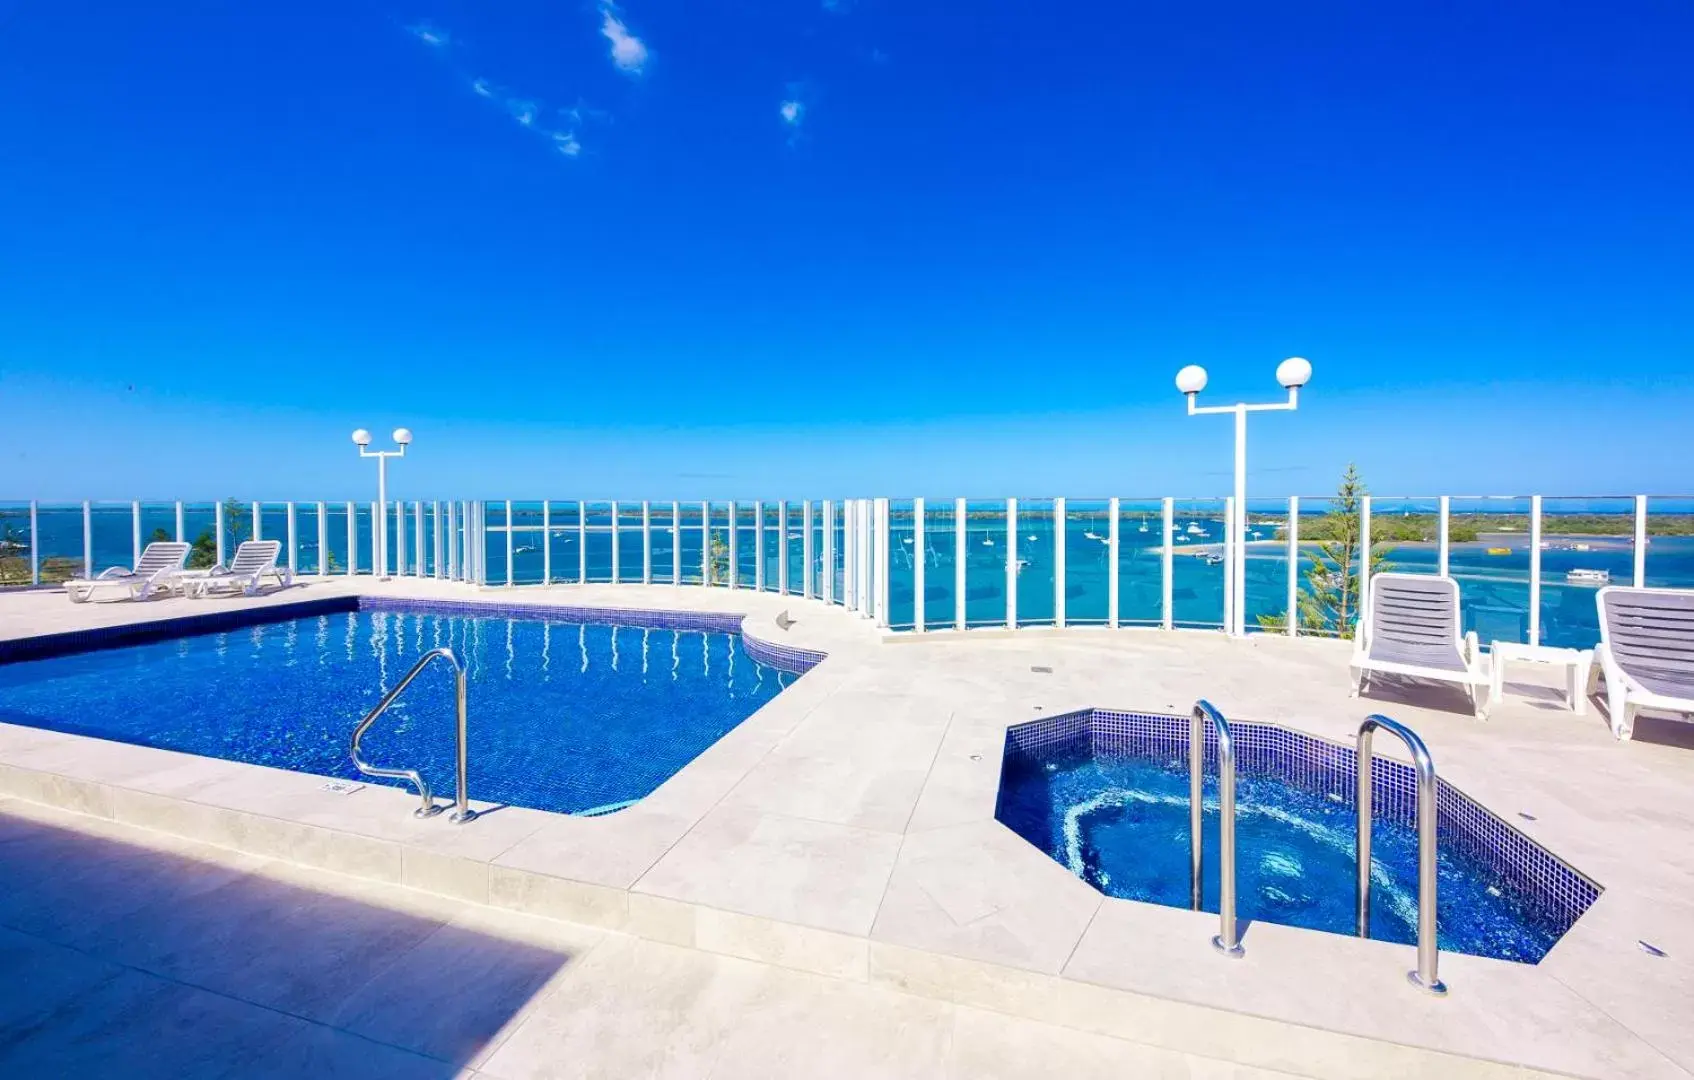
{"type": "Point", "coordinates": [1228, 939]}
{"type": "Point", "coordinates": [462, 811]}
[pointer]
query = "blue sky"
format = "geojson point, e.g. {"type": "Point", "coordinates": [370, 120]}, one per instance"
{"type": "Point", "coordinates": [671, 249]}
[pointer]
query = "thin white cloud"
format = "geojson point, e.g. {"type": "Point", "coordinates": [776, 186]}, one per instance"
{"type": "Point", "coordinates": [430, 35]}
{"type": "Point", "coordinates": [567, 143]}
{"type": "Point", "coordinates": [482, 88]}
{"type": "Point", "coordinates": [629, 52]}
{"type": "Point", "coordinates": [792, 111]}
{"type": "Point", "coordinates": [522, 111]}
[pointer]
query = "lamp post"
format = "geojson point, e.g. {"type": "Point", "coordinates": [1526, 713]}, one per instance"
{"type": "Point", "coordinates": [1292, 373]}
{"type": "Point", "coordinates": [379, 526]}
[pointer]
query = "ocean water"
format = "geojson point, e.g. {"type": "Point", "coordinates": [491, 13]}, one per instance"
{"type": "Point", "coordinates": [1494, 588]}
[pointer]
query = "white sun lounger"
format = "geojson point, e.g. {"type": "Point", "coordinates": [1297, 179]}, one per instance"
{"type": "Point", "coordinates": [1646, 653]}
{"type": "Point", "coordinates": [156, 571]}
{"type": "Point", "coordinates": [254, 561]}
{"type": "Point", "coordinates": [1411, 627]}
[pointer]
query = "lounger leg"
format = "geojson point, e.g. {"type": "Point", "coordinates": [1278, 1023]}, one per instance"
{"type": "Point", "coordinates": [1617, 702]}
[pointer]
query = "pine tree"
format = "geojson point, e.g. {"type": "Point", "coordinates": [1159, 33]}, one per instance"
{"type": "Point", "coordinates": [1330, 602]}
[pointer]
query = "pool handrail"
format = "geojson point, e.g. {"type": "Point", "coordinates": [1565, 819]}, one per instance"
{"type": "Point", "coordinates": [1429, 954]}
{"type": "Point", "coordinates": [1228, 939]}
{"type": "Point", "coordinates": [462, 811]}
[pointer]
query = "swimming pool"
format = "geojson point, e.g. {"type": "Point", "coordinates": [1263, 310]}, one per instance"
{"type": "Point", "coordinates": [570, 713]}
{"type": "Point", "coordinates": [1105, 794]}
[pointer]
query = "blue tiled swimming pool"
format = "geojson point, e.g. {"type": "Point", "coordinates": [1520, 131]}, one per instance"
{"type": "Point", "coordinates": [566, 716]}
{"type": "Point", "coordinates": [1105, 794]}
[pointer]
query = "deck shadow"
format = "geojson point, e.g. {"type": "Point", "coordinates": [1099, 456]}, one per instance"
{"type": "Point", "coordinates": [119, 960]}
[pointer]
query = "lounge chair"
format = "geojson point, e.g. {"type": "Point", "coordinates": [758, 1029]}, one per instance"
{"type": "Point", "coordinates": [1646, 653]}
{"type": "Point", "coordinates": [1411, 627]}
{"type": "Point", "coordinates": [156, 571]}
{"type": "Point", "coordinates": [254, 561]}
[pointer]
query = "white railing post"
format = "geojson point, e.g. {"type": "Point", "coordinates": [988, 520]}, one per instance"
{"type": "Point", "coordinates": [420, 568]}
{"type": "Point", "coordinates": [806, 550]}
{"type": "Point", "coordinates": [323, 540]}
{"type": "Point", "coordinates": [1059, 562]}
{"type": "Point", "coordinates": [582, 541]}
{"type": "Point", "coordinates": [961, 537]}
{"type": "Point", "coordinates": [849, 561]}
{"type": "Point", "coordinates": [917, 565]}
{"type": "Point", "coordinates": [35, 539]}
{"type": "Point", "coordinates": [88, 539]}
{"type": "Point", "coordinates": [1113, 508]}
{"type": "Point", "coordinates": [293, 540]}
{"type": "Point", "coordinates": [1166, 565]}
{"type": "Point", "coordinates": [256, 534]}
{"type": "Point", "coordinates": [616, 547]}
{"type": "Point", "coordinates": [646, 542]}
{"type": "Point", "coordinates": [135, 529]}
{"type": "Point", "coordinates": [1293, 627]}
{"type": "Point", "coordinates": [399, 538]}
{"type": "Point", "coordinates": [352, 539]}
{"type": "Point", "coordinates": [1443, 522]}
{"type": "Point", "coordinates": [546, 541]}
{"type": "Point", "coordinates": [826, 576]}
{"type": "Point", "coordinates": [1364, 557]}
{"type": "Point", "coordinates": [218, 528]}
{"type": "Point", "coordinates": [782, 547]}
{"type": "Point", "coordinates": [452, 542]}
{"type": "Point", "coordinates": [885, 559]}
{"type": "Point", "coordinates": [1640, 576]}
{"type": "Point", "coordinates": [758, 546]}
{"type": "Point", "coordinates": [706, 543]}
{"type": "Point", "coordinates": [511, 546]}
{"type": "Point", "coordinates": [1229, 557]}
{"type": "Point", "coordinates": [1535, 569]}
{"type": "Point", "coordinates": [676, 543]}
{"type": "Point", "coordinates": [181, 526]}
{"type": "Point", "coordinates": [1012, 564]}
{"type": "Point", "coordinates": [379, 540]}
{"type": "Point", "coordinates": [435, 535]}
{"type": "Point", "coordinates": [734, 551]}
{"type": "Point", "coordinates": [867, 557]}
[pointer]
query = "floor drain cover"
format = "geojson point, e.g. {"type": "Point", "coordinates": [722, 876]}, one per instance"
{"type": "Point", "coordinates": [1041, 669]}
{"type": "Point", "coordinates": [342, 787]}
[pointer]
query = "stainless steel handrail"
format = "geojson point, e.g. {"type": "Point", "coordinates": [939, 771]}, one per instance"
{"type": "Point", "coordinates": [1227, 941]}
{"type": "Point", "coordinates": [462, 810]}
{"type": "Point", "coordinates": [1429, 954]}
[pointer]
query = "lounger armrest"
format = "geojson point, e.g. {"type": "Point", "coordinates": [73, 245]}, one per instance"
{"type": "Point", "coordinates": [111, 572]}
{"type": "Point", "coordinates": [1473, 647]}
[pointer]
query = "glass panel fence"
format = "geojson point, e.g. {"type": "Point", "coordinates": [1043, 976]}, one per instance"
{"type": "Point", "coordinates": [630, 554]}
{"type": "Point", "coordinates": [111, 527]}
{"type": "Point", "coordinates": [1141, 573]}
{"type": "Point", "coordinates": [1036, 565]}
{"type": "Point", "coordinates": [15, 544]}
{"type": "Point", "coordinates": [1585, 543]}
{"type": "Point", "coordinates": [1197, 564]}
{"type": "Point", "coordinates": [306, 553]}
{"type": "Point", "coordinates": [985, 563]}
{"type": "Point", "coordinates": [940, 563]}
{"type": "Point", "coordinates": [1488, 544]}
{"type": "Point", "coordinates": [1670, 543]}
{"type": "Point", "coordinates": [902, 559]}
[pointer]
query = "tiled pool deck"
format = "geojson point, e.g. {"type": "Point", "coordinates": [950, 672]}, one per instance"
{"type": "Point", "coordinates": [847, 830]}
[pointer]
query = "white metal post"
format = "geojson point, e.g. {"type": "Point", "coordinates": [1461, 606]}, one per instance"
{"type": "Point", "coordinates": [399, 537]}
{"type": "Point", "coordinates": [379, 527]}
{"type": "Point", "coordinates": [1059, 562]}
{"type": "Point", "coordinates": [511, 547]}
{"type": "Point", "coordinates": [1293, 627]}
{"type": "Point", "coordinates": [758, 546]}
{"type": "Point", "coordinates": [806, 549]}
{"type": "Point", "coordinates": [705, 543]}
{"type": "Point", "coordinates": [35, 539]}
{"type": "Point", "coordinates": [323, 541]}
{"type": "Point", "coordinates": [256, 520]}
{"type": "Point", "coordinates": [849, 566]}
{"type": "Point", "coordinates": [617, 548]}
{"type": "Point", "coordinates": [546, 541]}
{"type": "Point", "coordinates": [452, 541]}
{"type": "Point", "coordinates": [917, 565]}
{"type": "Point", "coordinates": [1444, 518]}
{"type": "Point", "coordinates": [379, 522]}
{"type": "Point", "coordinates": [826, 579]}
{"type": "Point", "coordinates": [734, 552]}
{"type": "Point", "coordinates": [960, 540]}
{"type": "Point", "coordinates": [1166, 617]}
{"type": "Point", "coordinates": [1012, 564]}
{"type": "Point", "coordinates": [885, 559]}
{"type": "Point", "coordinates": [217, 527]}
{"type": "Point", "coordinates": [420, 568]}
{"type": "Point", "coordinates": [88, 539]}
{"type": "Point", "coordinates": [180, 526]}
{"type": "Point", "coordinates": [1113, 508]}
{"type": "Point", "coordinates": [135, 529]}
{"type": "Point", "coordinates": [438, 535]}
{"type": "Point", "coordinates": [582, 541]}
{"type": "Point", "coordinates": [782, 547]}
{"type": "Point", "coordinates": [293, 541]}
{"type": "Point", "coordinates": [1640, 578]}
{"type": "Point", "coordinates": [1535, 569]}
{"type": "Point", "coordinates": [352, 539]}
{"type": "Point", "coordinates": [646, 542]}
{"type": "Point", "coordinates": [1238, 536]}
{"type": "Point", "coordinates": [1364, 557]}
{"type": "Point", "coordinates": [1229, 553]}
{"type": "Point", "coordinates": [867, 557]}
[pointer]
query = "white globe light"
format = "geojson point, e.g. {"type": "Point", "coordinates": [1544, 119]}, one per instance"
{"type": "Point", "coordinates": [1191, 379]}
{"type": "Point", "coordinates": [362, 437]}
{"type": "Point", "coordinates": [402, 435]}
{"type": "Point", "coordinates": [1294, 372]}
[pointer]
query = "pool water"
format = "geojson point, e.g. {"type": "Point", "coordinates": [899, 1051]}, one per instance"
{"type": "Point", "coordinates": [568, 717]}
{"type": "Point", "coordinates": [1121, 824]}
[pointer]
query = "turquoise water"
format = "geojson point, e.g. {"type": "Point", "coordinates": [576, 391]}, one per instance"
{"type": "Point", "coordinates": [1495, 588]}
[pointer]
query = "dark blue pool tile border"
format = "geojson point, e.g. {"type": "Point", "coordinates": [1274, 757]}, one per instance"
{"type": "Point", "coordinates": [1326, 768]}
{"type": "Point", "coordinates": [44, 646]}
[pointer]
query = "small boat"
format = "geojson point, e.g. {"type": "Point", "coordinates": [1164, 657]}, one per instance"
{"type": "Point", "coordinates": [988, 541]}
{"type": "Point", "coordinates": [1213, 558]}
{"type": "Point", "coordinates": [1582, 547]}
{"type": "Point", "coordinates": [1589, 577]}
{"type": "Point", "coordinates": [1195, 530]}
{"type": "Point", "coordinates": [1031, 537]}
{"type": "Point", "coordinates": [1182, 539]}
{"type": "Point", "coordinates": [1499, 551]}
{"type": "Point", "coordinates": [905, 540]}
{"type": "Point", "coordinates": [1092, 535]}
